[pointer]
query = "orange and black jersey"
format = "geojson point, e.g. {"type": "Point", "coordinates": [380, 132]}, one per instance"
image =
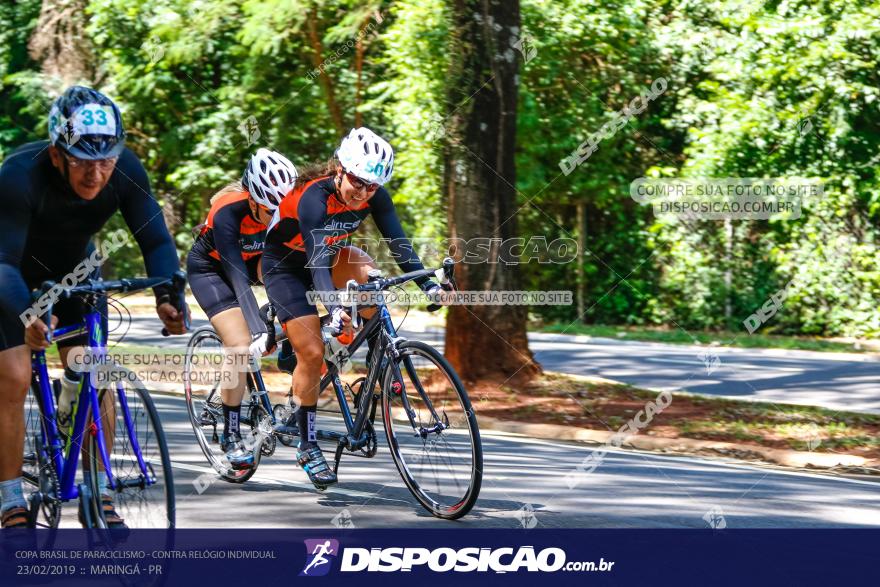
{"type": "Point", "coordinates": [311, 219]}
{"type": "Point", "coordinates": [231, 242]}
{"type": "Point", "coordinates": [230, 227]}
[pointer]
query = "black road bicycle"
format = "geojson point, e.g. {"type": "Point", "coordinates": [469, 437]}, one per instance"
{"type": "Point", "coordinates": [430, 425]}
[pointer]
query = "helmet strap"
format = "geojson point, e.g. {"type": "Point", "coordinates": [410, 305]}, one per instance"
{"type": "Point", "coordinates": [66, 172]}
{"type": "Point", "coordinates": [252, 205]}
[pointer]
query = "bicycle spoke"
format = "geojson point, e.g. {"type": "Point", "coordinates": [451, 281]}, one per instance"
{"type": "Point", "coordinates": [436, 446]}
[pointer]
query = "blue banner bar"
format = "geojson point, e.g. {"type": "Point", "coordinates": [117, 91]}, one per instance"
{"type": "Point", "coordinates": [464, 557]}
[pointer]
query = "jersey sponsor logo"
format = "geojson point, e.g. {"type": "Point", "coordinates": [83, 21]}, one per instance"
{"type": "Point", "coordinates": [251, 243]}
{"type": "Point", "coordinates": [339, 225]}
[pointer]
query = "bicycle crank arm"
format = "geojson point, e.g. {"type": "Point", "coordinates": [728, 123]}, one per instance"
{"type": "Point", "coordinates": [139, 482]}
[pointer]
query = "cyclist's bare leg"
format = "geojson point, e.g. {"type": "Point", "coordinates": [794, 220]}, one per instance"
{"type": "Point", "coordinates": [305, 336]}
{"type": "Point", "coordinates": [236, 336]}
{"type": "Point", "coordinates": [15, 377]}
{"type": "Point", "coordinates": [352, 263]}
{"type": "Point", "coordinates": [233, 330]}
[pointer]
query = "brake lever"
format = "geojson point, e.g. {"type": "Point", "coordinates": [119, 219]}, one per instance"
{"type": "Point", "coordinates": [47, 317]}
{"type": "Point", "coordinates": [178, 280]}
{"type": "Point", "coordinates": [351, 288]}
{"type": "Point", "coordinates": [445, 276]}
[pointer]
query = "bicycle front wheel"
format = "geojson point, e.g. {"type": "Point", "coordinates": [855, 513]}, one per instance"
{"type": "Point", "coordinates": [432, 431]}
{"type": "Point", "coordinates": [138, 455]}
{"type": "Point", "coordinates": [38, 467]}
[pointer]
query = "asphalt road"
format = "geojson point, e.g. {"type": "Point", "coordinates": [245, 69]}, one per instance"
{"type": "Point", "coordinates": [840, 381]}
{"type": "Point", "coordinates": [525, 479]}
{"type": "Point", "coordinates": [523, 487]}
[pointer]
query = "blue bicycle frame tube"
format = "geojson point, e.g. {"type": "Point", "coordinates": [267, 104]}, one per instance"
{"type": "Point", "coordinates": [67, 467]}
{"type": "Point", "coordinates": [123, 404]}
{"type": "Point", "coordinates": [49, 430]}
{"type": "Point", "coordinates": [98, 346]}
{"type": "Point", "coordinates": [386, 321]}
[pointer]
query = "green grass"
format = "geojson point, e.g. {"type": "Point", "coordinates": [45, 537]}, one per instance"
{"type": "Point", "coordinates": [723, 338]}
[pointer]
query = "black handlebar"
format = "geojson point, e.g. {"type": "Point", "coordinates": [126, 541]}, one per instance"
{"type": "Point", "coordinates": [99, 286]}
{"type": "Point", "coordinates": [383, 283]}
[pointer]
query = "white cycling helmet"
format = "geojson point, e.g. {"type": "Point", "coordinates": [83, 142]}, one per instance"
{"type": "Point", "coordinates": [366, 155]}
{"type": "Point", "coordinates": [268, 177]}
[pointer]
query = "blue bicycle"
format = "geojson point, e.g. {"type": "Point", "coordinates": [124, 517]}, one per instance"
{"type": "Point", "coordinates": [125, 445]}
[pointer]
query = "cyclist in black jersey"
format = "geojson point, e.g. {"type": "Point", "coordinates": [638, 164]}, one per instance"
{"type": "Point", "coordinates": [222, 265]}
{"type": "Point", "coordinates": [305, 250]}
{"type": "Point", "coordinates": [55, 196]}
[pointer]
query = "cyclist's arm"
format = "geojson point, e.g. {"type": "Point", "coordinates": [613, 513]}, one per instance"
{"type": "Point", "coordinates": [15, 219]}
{"type": "Point", "coordinates": [144, 218]}
{"type": "Point", "coordinates": [312, 214]}
{"type": "Point", "coordinates": [227, 228]}
{"type": "Point", "coordinates": [385, 216]}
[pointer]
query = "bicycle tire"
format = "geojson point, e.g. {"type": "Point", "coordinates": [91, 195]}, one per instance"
{"type": "Point", "coordinates": [226, 472]}
{"type": "Point", "coordinates": [463, 505]}
{"type": "Point", "coordinates": [38, 468]}
{"type": "Point", "coordinates": [131, 504]}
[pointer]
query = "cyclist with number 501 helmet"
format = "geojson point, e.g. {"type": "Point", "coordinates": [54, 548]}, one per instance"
{"type": "Point", "coordinates": [305, 249]}
{"type": "Point", "coordinates": [222, 265]}
{"type": "Point", "coordinates": [55, 196]}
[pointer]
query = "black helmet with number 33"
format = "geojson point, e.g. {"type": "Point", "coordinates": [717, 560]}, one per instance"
{"type": "Point", "coordinates": [86, 124]}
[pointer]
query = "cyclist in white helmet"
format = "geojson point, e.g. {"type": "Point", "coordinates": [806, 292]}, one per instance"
{"type": "Point", "coordinates": [223, 264]}
{"type": "Point", "coordinates": [306, 248]}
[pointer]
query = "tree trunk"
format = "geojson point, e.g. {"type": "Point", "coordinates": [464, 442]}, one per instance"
{"type": "Point", "coordinates": [317, 55]}
{"type": "Point", "coordinates": [582, 246]}
{"type": "Point", "coordinates": [483, 341]}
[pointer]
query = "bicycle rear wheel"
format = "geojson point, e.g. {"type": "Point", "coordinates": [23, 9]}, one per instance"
{"type": "Point", "coordinates": [138, 455]}
{"type": "Point", "coordinates": [203, 374]}
{"type": "Point", "coordinates": [432, 431]}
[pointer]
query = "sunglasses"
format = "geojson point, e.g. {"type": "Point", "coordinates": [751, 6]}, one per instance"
{"type": "Point", "coordinates": [102, 164]}
{"type": "Point", "coordinates": [359, 184]}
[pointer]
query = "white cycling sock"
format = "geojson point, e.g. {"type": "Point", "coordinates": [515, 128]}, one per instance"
{"type": "Point", "coordinates": [12, 494]}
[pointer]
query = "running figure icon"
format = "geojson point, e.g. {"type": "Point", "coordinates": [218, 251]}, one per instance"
{"type": "Point", "coordinates": [319, 551]}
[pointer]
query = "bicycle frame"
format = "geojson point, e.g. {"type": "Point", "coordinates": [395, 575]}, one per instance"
{"type": "Point", "coordinates": [355, 437]}
{"type": "Point", "coordinates": [67, 458]}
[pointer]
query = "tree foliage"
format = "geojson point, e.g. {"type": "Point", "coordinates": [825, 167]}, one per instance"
{"type": "Point", "coordinates": [785, 88]}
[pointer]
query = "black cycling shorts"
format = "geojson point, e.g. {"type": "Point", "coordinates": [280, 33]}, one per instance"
{"type": "Point", "coordinates": [69, 311]}
{"type": "Point", "coordinates": [210, 286]}
{"type": "Point", "coordinates": [287, 282]}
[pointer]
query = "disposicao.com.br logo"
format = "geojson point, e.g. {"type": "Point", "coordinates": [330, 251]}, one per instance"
{"type": "Point", "coordinates": [469, 559]}
{"type": "Point", "coordinates": [444, 559]}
